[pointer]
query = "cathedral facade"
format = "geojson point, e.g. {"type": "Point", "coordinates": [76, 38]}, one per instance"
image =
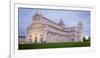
{"type": "Point", "coordinates": [43, 30]}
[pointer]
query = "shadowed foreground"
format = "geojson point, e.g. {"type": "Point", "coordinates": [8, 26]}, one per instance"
{"type": "Point", "coordinates": [53, 45]}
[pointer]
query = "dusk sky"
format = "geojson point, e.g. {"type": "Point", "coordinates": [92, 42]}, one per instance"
{"type": "Point", "coordinates": [70, 18]}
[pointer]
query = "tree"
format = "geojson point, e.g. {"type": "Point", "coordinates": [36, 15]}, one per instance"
{"type": "Point", "coordinates": [84, 39]}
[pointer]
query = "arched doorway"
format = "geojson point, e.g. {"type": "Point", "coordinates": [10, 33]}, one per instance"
{"type": "Point", "coordinates": [35, 39]}
{"type": "Point", "coordinates": [41, 40]}
{"type": "Point", "coordinates": [30, 39]}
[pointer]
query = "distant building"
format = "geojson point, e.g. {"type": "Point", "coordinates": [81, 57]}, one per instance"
{"type": "Point", "coordinates": [43, 30]}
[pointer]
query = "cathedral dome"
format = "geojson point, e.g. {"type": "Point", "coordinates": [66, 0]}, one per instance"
{"type": "Point", "coordinates": [37, 15]}
{"type": "Point", "coordinates": [61, 22]}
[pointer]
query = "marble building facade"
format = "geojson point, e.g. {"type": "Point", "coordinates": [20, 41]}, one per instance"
{"type": "Point", "coordinates": [43, 30]}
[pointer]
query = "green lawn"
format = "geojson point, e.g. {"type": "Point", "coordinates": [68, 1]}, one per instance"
{"type": "Point", "coordinates": [53, 45]}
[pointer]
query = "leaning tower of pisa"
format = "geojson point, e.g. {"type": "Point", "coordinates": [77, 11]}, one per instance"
{"type": "Point", "coordinates": [80, 31]}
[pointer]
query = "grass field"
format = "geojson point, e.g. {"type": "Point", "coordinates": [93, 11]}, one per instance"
{"type": "Point", "coordinates": [53, 45]}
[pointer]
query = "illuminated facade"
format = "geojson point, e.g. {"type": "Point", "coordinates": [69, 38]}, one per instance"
{"type": "Point", "coordinates": [43, 30]}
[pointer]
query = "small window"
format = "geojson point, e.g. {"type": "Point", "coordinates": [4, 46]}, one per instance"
{"type": "Point", "coordinates": [72, 40]}
{"type": "Point", "coordinates": [41, 35]}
